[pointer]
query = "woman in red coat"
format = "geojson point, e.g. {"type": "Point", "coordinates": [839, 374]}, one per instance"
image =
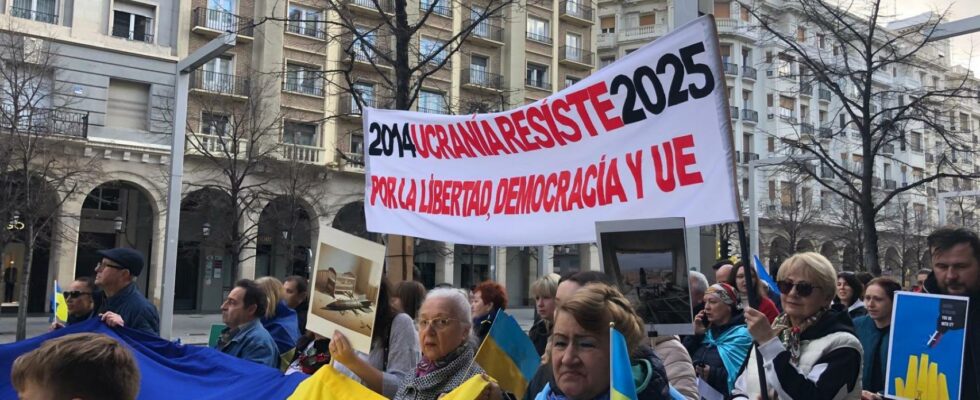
{"type": "Point", "coordinates": [766, 306]}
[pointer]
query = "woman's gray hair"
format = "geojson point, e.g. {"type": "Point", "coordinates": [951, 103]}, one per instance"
{"type": "Point", "coordinates": [457, 299]}
{"type": "Point", "coordinates": [700, 280]}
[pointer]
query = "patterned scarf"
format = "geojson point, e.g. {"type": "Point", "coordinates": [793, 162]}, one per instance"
{"type": "Point", "coordinates": [790, 335]}
{"type": "Point", "coordinates": [441, 380]}
{"type": "Point", "coordinates": [426, 366]}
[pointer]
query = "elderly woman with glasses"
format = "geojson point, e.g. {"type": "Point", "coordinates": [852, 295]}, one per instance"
{"type": "Point", "coordinates": [448, 349]}
{"type": "Point", "coordinates": [811, 350]}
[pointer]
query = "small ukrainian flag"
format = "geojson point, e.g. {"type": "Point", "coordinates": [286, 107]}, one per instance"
{"type": "Point", "coordinates": [621, 382]}
{"type": "Point", "coordinates": [508, 355]}
{"type": "Point", "coordinates": [59, 307]}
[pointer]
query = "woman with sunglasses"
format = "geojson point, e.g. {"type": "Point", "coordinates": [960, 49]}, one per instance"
{"type": "Point", "coordinates": [80, 298]}
{"type": "Point", "coordinates": [873, 330]}
{"type": "Point", "coordinates": [811, 350]}
{"type": "Point", "coordinates": [850, 291]}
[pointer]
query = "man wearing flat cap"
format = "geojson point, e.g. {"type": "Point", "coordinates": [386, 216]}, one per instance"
{"type": "Point", "coordinates": [124, 305]}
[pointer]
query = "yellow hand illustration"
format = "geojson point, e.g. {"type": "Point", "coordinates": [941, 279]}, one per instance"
{"type": "Point", "coordinates": [922, 380]}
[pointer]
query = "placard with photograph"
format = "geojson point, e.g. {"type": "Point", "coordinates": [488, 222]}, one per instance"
{"type": "Point", "coordinates": [345, 285]}
{"type": "Point", "coordinates": [647, 258]}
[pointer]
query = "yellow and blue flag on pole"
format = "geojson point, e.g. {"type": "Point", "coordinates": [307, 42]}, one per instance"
{"type": "Point", "coordinates": [508, 355]}
{"type": "Point", "coordinates": [621, 382]}
{"type": "Point", "coordinates": [59, 307]}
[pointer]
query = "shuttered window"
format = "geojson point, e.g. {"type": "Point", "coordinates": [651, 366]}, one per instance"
{"type": "Point", "coordinates": [128, 105]}
{"type": "Point", "coordinates": [723, 9]}
{"type": "Point", "coordinates": [648, 19]}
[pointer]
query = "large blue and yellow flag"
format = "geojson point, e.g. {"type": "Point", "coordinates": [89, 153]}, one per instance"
{"type": "Point", "coordinates": [621, 382]}
{"type": "Point", "coordinates": [59, 307]}
{"type": "Point", "coordinates": [508, 355]}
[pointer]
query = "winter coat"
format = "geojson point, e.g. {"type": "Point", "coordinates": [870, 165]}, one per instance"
{"type": "Point", "coordinates": [677, 363]}
{"type": "Point", "coordinates": [539, 334]}
{"type": "Point", "coordinates": [857, 310]}
{"type": "Point", "coordinates": [283, 327]}
{"type": "Point", "coordinates": [970, 387]}
{"type": "Point", "coordinates": [252, 342]}
{"type": "Point", "coordinates": [829, 367]}
{"type": "Point", "coordinates": [874, 340]}
{"type": "Point", "coordinates": [706, 349]}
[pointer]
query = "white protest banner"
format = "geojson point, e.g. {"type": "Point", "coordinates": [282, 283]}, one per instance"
{"type": "Point", "coordinates": [645, 137]}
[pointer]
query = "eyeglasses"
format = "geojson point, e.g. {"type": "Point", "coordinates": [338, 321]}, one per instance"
{"type": "Point", "coordinates": [104, 264]}
{"type": "Point", "coordinates": [437, 324]}
{"type": "Point", "coordinates": [803, 288]}
{"type": "Point", "coordinates": [76, 293]}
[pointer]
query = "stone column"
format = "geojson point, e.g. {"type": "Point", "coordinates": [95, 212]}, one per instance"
{"type": "Point", "coordinates": [64, 244]}
{"type": "Point", "coordinates": [446, 265]}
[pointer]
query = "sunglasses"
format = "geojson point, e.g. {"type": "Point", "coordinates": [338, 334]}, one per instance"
{"type": "Point", "coordinates": [76, 293]}
{"type": "Point", "coordinates": [803, 289]}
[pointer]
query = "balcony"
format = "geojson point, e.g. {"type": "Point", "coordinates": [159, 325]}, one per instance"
{"type": "Point", "coordinates": [876, 182]}
{"type": "Point", "coordinates": [826, 133]}
{"type": "Point", "coordinates": [439, 7]}
{"type": "Point", "coordinates": [826, 172]}
{"type": "Point", "coordinates": [485, 32]}
{"type": "Point", "coordinates": [216, 82]}
{"type": "Point", "coordinates": [750, 115]}
{"type": "Point", "coordinates": [216, 22]}
{"type": "Point", "coordinates": [350, 109]}
{"type": "Point", "coordinates": [540, 38]}
{"type": "Point", "coordinates": [806, 89]}
{"type": "Point", "coordinates": [480, 78]}
{"type": "Point", "coordinates": [308, 87]}
{"type": "Point", "coordinates": [361, 52]}
{"type": "Point", "coordinates": [122, 31]}
{"type": "Point", "coordinates": [749, 72]}
{"type": "Point", "coordinates": [890, 184]}
{"type": "Point", "coordinates": [576, 11]}
{"type": "Point", "coordinates": [642, 33]}
{"type": "Point", "coordinates": [728, 26]}
{"type": "Point", "coordinates": [733, 112]}
{"type": "Point", "coordinates": [823, 94]}
{"type": "Point", "coordinates": [369, 8]}
{"type": "Point", "coordinates": [205, 144]}
{"type": "Point", "coordinates": [307, 28]}
{"type": "Point", "coordinates": [888, 149]}
{"type": "Point", "coordinates": [730, 69]}
{"type": "Point", "coordinates": [575, 57]}
{"type": "Point", "coordinates": [806, 129]}
{"type": "Point", "coordinates": [45, 121]}
{"type": "Point", "coordinates": [353, 161]}
{"type": "Point", "coordinates": [538, 84]}
{"type": "Point", "coordinates": [743, 157]}
{"type": "Point", "coordinates": [302, 153]}
{"type": "Point", "coordinates": [34, 15]}
{"type": "Point", "coordinates": [930, 158]}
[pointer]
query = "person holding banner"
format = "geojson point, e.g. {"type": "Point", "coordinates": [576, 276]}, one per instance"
{"type": "Point", "coordinates": [737, 280]}
{"type": "Point", "coordinates": [488, 297]}
{"type": "Point", "coordinates": [394, 349]}
{"type": "Point", "coordinates": [956, 271]}
{"type": "Point", "coordinates": [873, 331]}
{"type": "Point", "coordinates": [448, 349]}
{"type": "Point", "coordinates": [721, 341]}
{"type": "Point", "coordinates": [580, 347]}
{"type": "Point", "coordinates": [80, 299]}
{"type": "Point", "coordinates": [811, 350]}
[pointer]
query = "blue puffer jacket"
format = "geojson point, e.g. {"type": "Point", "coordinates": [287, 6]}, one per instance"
{"type": "Point", "coordinates": [872, 339]}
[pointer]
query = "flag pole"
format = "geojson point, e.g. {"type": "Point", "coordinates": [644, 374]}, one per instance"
{"type": "Point", "coordinates": [748, 265]}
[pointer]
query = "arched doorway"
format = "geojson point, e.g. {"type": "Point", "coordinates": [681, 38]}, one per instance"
{"type": "Point", "coordinates": [892, 263]}
{"type": "Point", "coordinates": [27, 213]}
{"type": "Point", "coordinates": [779, 250]}
{"type": "Point", "coordinates": [350, 218]}
{"type": "Point", "coordinates": [115, 214]}
{"type": "Point", "coordinates": [851, 259]}
{"type": "Point", "coordinates": [804, 245]}
{"type": "Point", "coordinates": [205, 264]}
{"type": "Point", "coordinates": [829, 250]}
{"type": "Point", "coordinates": [285, 242]}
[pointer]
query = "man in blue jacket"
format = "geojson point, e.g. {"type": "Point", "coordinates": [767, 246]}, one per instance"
{"type": "Point", "coordinates": [124, 305]}
{"type": "Point", "coordinates": [244, 337]}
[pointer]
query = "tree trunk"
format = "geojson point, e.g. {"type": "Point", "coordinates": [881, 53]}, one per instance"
{"type": "Point", "coordinates": [870, 232]}
{"type": "Point", "coordinates": [25, 279]}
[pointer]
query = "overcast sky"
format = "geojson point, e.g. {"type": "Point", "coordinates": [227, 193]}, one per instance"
{"type": "Point", "coordinates": [966, 49]}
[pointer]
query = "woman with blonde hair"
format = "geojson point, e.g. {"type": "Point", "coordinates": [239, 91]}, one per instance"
{"type": "Point", "coordinates": [543, 290]}
{"type": "Point", "coordinates": [811, 350]}
{"type": "Point", "coordinates": [580, 351]}
{"type": "Point", "coordinates": [279, 319]}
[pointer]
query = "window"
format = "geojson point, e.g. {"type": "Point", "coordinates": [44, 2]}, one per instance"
{"type": "Point", "coordinates": [482, 29]}
{"type": "Point", "coordinates": [747, 56]}
{"type": "Point", "coordinates": [37, 10]}
{"type": "Point", "coordinates": [573, 47]}
{"type": "Point", "coordinates": [215, 124]}
{"type": "Point", "coordinates": [366, 91]}
{"type": "Point", "coordinates": [604, 61]}
{"type": "Point", "coordinates": [607, 24]}
{"type": "Point", "coordinates": [303, 134]}
{"type": "Point", "coordinates": [221, 15]}
{"type": "Point", "coordinates": [723, 9]}
{"type": "Point", "coordinates": [822, 40]}
{"type": "Point", "coordinates": [132, 21]}
{"type": "Point", "coordinates": [366, 42]}
{"type": "Point", "coordinates": [102, 198]}
{"type": "Point", "coordinates": [432, 102]}
{"type": "Point", "coordinates": [826, 199]}
{"type": "Point", "coordinates": [439, 7]}
{"type": "Point", "coordinates": [785, 66]}
{"type": "Point", "coordinates": [726, 52]}
{"type": "Point", "coordinates": [744, 13]}
{"type": "Point", "coordinates": [538, 30]}
{"type": "Point", "coordinates": [217, 75]}
{"type": "Point", "coordinates": [917, 141]}
{"type": "Point", "coordinates": [801, 34]}
{"type": "Point", "coordinates": [745, 188]}
{"type": "Point", "coordinates": [772, 191]}
{"type": "Point", "coordinates": [480, 70]}
{"type": "Point", "coordinates": [305, 21]}
{"type": "Point", "coordinates": [787, 106]}
{"type": "Point", "coordinates": [537, 76]}
{"type": "Point", "coordinates": [571, 80]}
{"type": "Point", "coordinates": [434, 48]}
{"type": "Point", "coordinates": [128, 105]}
{"type": "Point", "coordinates": [771, 144]}
{"type": "Point", "coordinates": [648, 19]}
{"type": "Point", "coordinates": [303, 79]}
{"type": "Point", "coordinates": [356, 142]}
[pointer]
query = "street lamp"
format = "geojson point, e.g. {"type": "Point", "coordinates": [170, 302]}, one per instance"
{"type": "Point", "coordinates": [753, 201]}
{"type": "Point", "coordinates": [212, 49]}
{"type": "Point", "coordinates": [117, 224]}
{"type": "Point", "coordinates": [206, 229]}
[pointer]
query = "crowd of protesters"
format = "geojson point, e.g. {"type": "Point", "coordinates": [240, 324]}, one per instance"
{"type": "Point", "coordinates": [825, 336]}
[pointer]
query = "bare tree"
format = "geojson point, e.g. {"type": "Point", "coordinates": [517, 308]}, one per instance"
{"type": "Point", "coordinates": [841, 53]}
{"type": "Point", "coordinates": [794, 213]}
{"type": "Point", "coordinates": [907, 225]}
{"type": "Point", "coordinates": [43, 166]}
